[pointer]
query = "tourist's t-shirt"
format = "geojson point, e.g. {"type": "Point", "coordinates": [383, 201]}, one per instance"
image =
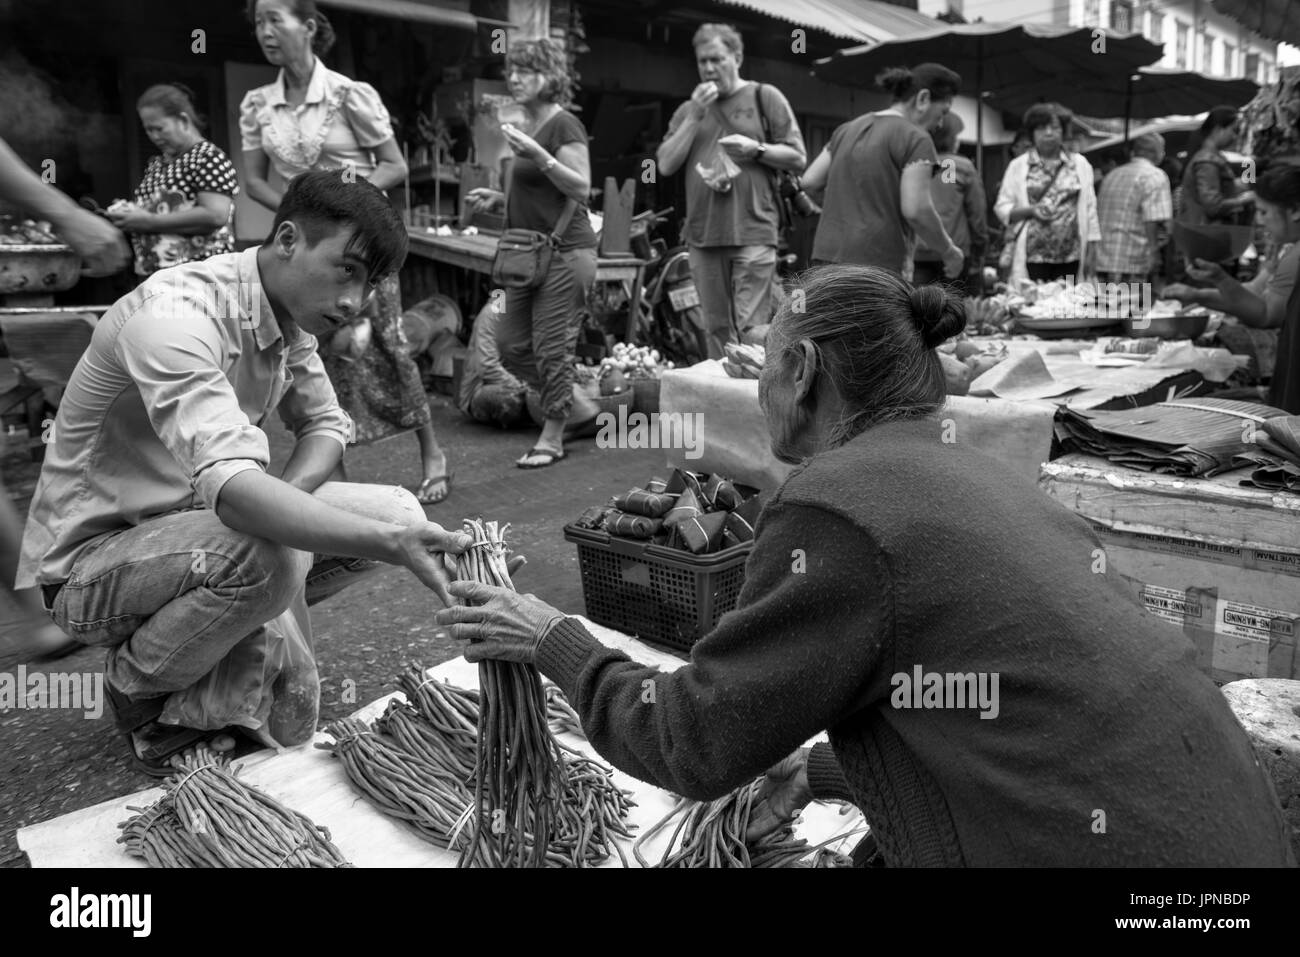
{"type": "Point", "coordinates": [747, 214]}
{"type": "Point", "coordinates": [534, 201]}
{"type": "Point", "coordinates": [862, 214]}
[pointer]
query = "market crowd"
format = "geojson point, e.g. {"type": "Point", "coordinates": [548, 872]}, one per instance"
{"type": "Point", "coordinates": [941, 557]}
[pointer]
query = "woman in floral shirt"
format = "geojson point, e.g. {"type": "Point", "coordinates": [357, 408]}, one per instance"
{"type": "Point", "coordinates": [1047, 200]}
{"type": "Point", "coordinates": [313, 118]}
{"type": "Point", "coordinates": [181, 209]}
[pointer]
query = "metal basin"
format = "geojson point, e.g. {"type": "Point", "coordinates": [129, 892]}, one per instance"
{"type": "Point", "coordinates": [36, 270]}
{"type": "Point", "coordinates": [1168, 327]}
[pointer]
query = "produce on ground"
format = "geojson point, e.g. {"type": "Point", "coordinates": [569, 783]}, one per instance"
{"type": "Point", "coordinates": [209, 818]}
{"type": "Point", "coordinates": [712, 834]}
{"type": "Point", "coordinates": [418, 764]}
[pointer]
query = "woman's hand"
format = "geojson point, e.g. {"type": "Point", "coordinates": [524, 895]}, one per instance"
{"type": "Point", "coordinates": [133, 219]}
{"type": "Point", "coordinates": [523, 145]}
{"type": "Point", "coordinates": [953, 262]}
{"type": "Point", "coordinates": [483, 199]}
{"type": "Point", "coordinates": [784, 793]}
{"type": "Point", "coordinates": [499, 624]}
{"type": "Point", "coordinates": [1182, 292]}
{"type": "Point", "coordinates": [1202, 270]}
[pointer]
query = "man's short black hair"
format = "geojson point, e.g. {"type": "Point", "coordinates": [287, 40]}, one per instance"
{"type": "Point", "coordinates": [322, 202]}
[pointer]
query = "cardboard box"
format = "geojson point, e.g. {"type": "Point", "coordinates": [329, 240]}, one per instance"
{"type": "Point", "coordinates": [1215, 559]}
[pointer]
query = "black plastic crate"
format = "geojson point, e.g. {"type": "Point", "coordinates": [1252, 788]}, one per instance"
{"type": "Point", "coordinates": [658, 594]}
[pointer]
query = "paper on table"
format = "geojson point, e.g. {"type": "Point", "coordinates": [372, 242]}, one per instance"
{"type": "Point", "coordinates": [1023, 376]}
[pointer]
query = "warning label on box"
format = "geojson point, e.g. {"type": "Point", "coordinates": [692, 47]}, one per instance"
{"type": "Point", "coordinates": [1251, 621]}
{"type": "Point", "coordinates": [1170, 604]}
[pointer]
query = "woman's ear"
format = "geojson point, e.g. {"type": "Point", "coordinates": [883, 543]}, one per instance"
{"type": "Point", "coordinates": [923, 100]}
{"type": "Point", "coordinates": [805, 377]}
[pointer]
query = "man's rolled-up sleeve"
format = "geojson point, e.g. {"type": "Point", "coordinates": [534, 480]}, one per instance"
{"type": "Point", "coordinates": [176, 362]}
{"type": "Point", "coordinates": [310, 405]}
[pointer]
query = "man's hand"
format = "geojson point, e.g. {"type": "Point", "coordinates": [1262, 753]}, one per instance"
{"type": "Point", "coordinates": [784, 793]}
{"type": "Point", "coordinates": [498, 623]}
{"type": "Point", "coordinates": [1202, 270]}
{"type": "Point", "coordinates": [739, 146]}
{"type": "Point", "coordinates": [101, 246]}
{"type": "Point", "coordinates": [422, 547]}
{"type": "Point", "coordinates": [705, 94]}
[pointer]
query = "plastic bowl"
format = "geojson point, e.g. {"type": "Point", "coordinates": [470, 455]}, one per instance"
{"type": "Point", "coordinates": [38, 270]}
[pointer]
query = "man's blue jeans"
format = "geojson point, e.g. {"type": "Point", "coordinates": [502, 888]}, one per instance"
{"type": "Point", "coordinates": [170, 597]}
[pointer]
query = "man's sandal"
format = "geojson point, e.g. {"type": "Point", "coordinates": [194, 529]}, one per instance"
{"type": "Point", "coordinates": [550, 455]}
{"type": "Point", "coordinates": [151, 744]}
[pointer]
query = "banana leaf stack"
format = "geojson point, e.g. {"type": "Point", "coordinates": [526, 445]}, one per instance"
{"type": "Point", "coordinates": [1186, 437]}
{"type": "Point", "coordinates": [1275, 464]}
{"type": "Point", "coordinates": [691, 511]}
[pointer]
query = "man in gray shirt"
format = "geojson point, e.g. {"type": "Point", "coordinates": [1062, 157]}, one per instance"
{"type": "Point", "coordinates": [732, 212]}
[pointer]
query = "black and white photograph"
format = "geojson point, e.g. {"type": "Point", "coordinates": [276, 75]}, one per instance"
{"type": "Point", "coordinates": [678, 434]}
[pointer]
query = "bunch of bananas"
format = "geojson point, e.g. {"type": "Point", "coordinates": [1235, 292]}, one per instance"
{"type": "Point", "coordinates": [986, 317]}
{"type": "Point", "coordinates": [743, 362]}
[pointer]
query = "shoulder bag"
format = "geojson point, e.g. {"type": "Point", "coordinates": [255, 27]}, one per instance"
{"type": "Point", "coordinates": [523, 256]}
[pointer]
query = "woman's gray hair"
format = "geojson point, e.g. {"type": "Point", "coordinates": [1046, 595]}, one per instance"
{"type": "Point", "coordinates": [874, 336]}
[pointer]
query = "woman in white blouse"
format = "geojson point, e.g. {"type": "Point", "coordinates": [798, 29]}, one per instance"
{"type": "Point", "coordinates": [313, 118]}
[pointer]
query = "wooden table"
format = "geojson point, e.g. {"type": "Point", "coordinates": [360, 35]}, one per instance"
{"type": "Point", "coordinates": [476, 253]}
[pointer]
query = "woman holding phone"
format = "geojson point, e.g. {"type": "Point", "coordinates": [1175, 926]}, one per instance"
{"type": "Point", "coordinates": [546, 191]}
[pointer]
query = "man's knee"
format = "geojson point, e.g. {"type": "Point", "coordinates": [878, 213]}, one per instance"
{"type": "Point", "coordinates": [390, 504]}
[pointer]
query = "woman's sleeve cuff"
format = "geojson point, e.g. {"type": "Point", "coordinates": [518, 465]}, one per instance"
{"type": "Point", "coordinates": [825, 777]}
{"type": "Point", "coordinates": [564, 651]}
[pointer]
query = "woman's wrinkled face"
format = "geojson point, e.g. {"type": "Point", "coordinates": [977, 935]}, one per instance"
{"type": "Point", "coordinates": [171, 134]}
{"type": "Point", "coordinates": [1280, 222]}
{"type": "Point", "coordinates": [281, 35]}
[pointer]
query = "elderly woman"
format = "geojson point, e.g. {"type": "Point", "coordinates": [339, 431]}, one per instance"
{"type": "Point", "coordinates": [876, 173]}
{"type": "Point", "coordinates": [547, 186]}
{"type": "Point", "coordinates": [922, 556]}
{"type": "Point", "coordinates": [181, 209]}
{"type": "Point", "coordinates": [313, 118]}
{"type": "Point", "coordinates": [1048, 202]}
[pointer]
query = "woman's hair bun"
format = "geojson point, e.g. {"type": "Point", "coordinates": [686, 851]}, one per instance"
{"type": "Point", "coordinates": [897, 81]}
{"type": "Point", "coordinates": [937, 314]}
{"type": "Point", "coordinates": [323, 41]}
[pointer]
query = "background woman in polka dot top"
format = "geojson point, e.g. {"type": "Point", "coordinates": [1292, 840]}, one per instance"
{"type": "Point", "coordinates": [181, 209]}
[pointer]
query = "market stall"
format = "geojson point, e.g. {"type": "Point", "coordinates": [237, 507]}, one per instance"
{"type": "Point", "coordinates": [311, 781]}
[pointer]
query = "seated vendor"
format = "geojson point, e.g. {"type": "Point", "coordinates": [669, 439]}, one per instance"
{"type": "Point", "coordinates": [155, 531]}
{"type": "Point", "coordinates": [990, 698]}
{"type": "Point", "coordinates": [490, 394]}
{"type": "Point", "coordinates": [1265, 302]}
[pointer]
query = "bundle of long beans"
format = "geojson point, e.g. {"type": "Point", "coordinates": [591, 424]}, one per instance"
{"type": "Point", "coordinates": [402, 783]}
{"type": "Point", "coordinates": [209, 818]}
{"type": "Point", "coordinates": [713, 834]}
{"type": "Point", "coordinates": [560, 714]}
{"type": "Point", "coordinates": [519, 779]}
